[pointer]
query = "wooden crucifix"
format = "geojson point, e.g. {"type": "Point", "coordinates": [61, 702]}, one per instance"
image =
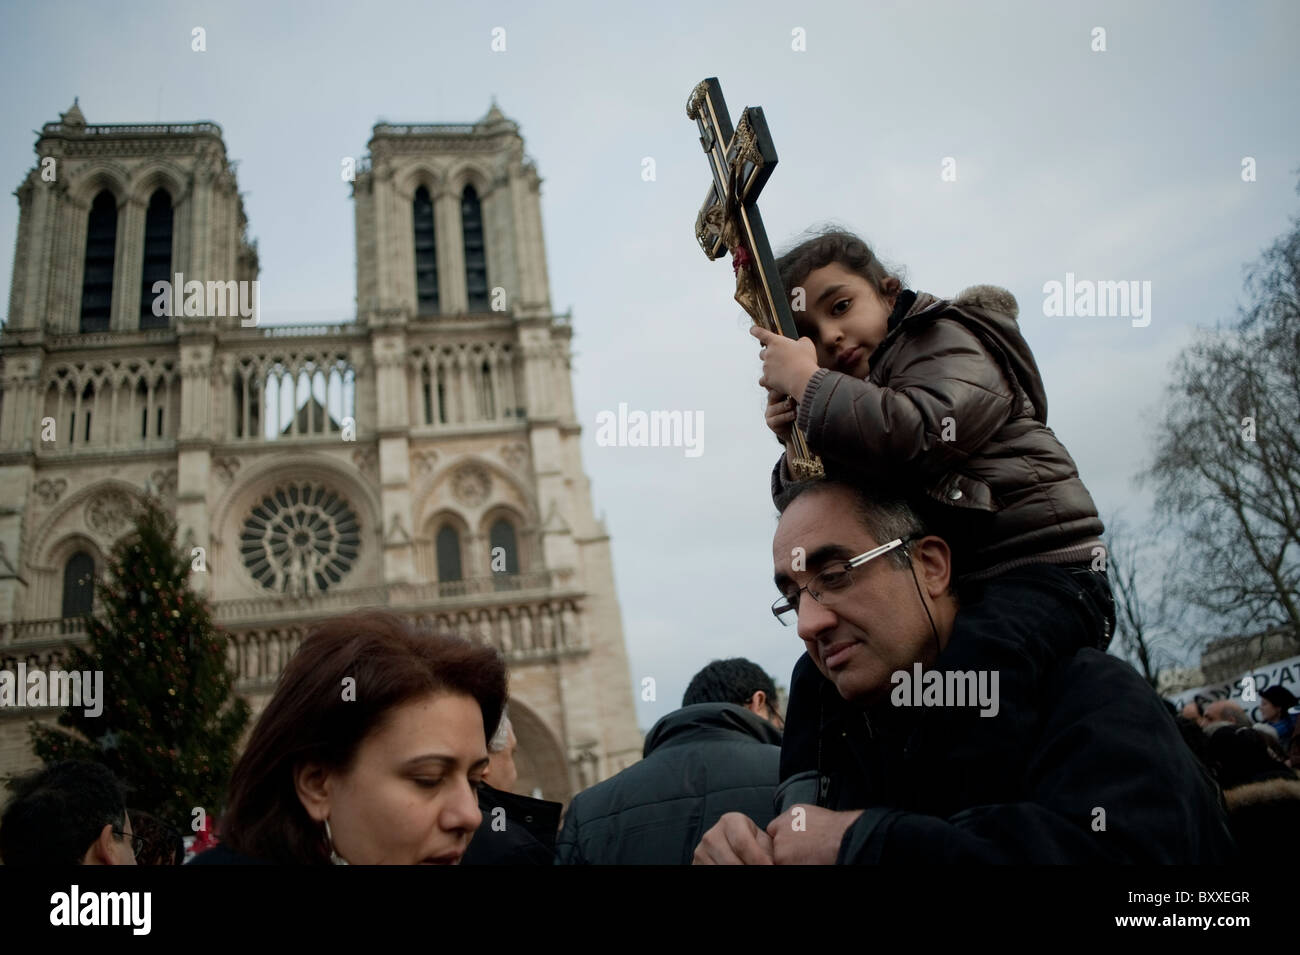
{"type": "Point", "coordinates": [741, 161]}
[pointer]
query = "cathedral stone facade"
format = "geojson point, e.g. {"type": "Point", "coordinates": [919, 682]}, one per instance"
{"type": "Point", "coordinates": [424, 457]}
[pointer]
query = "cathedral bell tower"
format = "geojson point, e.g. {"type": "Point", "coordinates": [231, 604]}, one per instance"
{"type": "Point", "coordinates": [424, 457]}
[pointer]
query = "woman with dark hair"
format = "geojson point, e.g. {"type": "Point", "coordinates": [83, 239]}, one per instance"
{"type": "Point", "coordinates": [370, 751]}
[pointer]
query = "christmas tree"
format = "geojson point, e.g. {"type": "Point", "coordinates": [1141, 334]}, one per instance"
{"type": "Point", "coordinates": [170, 723]}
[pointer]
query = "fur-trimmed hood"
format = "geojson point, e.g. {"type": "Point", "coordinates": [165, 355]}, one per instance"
{"type": "Point", "coordinates": [993, 297]}
{"type": "Point", "coordinates": [1253, 795]}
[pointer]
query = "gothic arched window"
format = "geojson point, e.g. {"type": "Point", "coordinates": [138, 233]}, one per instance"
{"type": "Point", "coordinates": [97, 276]}
{"type": "Point", "coordinates": [426, 253]}
{"type": "Point", "coordinates": [237, 386]}
{"type": "Point", "coordinates": [87, 404]}
{"type": "Point", "coordinates": [487, 403]}
{"type": "Point", "coordinates": [448, 548]}
{"type": "Point", "coordinates": [471, 217]}
{"type": "Point", "coordinates": [142, 399]}
{"type": "Point", "coordinates": [78, 585]}
{"type": "Point", "coordinates": [157, 257]}
{"type": "Point", "coordinates": [503, 552]}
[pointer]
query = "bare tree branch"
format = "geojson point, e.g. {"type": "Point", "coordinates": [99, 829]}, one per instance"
{"type": "Point", "coordinates": [1226, 465]}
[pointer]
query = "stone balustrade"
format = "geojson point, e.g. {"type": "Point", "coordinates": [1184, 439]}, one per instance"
{"type": "Point", "coordinates": [133, 129]}
{"type": "Point", "coordinates": [423, 129]}
{"type": "Point", "coordinates": [40, 632]}
{"type": "Point", "coordinates": [521, 615]}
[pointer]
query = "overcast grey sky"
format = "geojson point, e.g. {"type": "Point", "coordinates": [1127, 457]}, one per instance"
{"type": "Point", "coordinates": [1115, 165]}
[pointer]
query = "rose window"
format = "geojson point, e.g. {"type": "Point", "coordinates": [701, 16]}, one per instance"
{"type": "Point", "coordinates": [301, 539]}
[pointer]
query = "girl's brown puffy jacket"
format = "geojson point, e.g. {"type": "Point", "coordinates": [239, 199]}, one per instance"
{"type": "Point", "coordinates": [954, 414]}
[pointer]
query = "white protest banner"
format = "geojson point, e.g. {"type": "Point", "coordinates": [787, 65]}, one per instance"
{"type": "Point", "coordinates": [1282, 673]}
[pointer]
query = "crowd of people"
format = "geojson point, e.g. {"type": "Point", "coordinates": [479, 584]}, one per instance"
{"type": "Point", "coordinates": [415, 764]}
{"type": "Point", "coordinates": [1256, 765]}
{"type": "Point", "coordinates": [948, 555]}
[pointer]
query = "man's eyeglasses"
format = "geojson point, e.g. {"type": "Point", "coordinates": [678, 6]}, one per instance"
{"type": "Point", "coordinates": [834, 580]}
{"type": "Point", "coordinates": [137, 842]}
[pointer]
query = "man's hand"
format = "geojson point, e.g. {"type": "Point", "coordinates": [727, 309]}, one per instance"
{"type": "Point", "coordinates": [787, 364]}
{"type": "Point", "coordinates": [734, 840]}
{"type": "Point", "coordinates": [809, 835]}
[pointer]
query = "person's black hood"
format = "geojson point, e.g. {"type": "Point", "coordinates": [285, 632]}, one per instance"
{"type": "Point", "coordinates": [709, 720]}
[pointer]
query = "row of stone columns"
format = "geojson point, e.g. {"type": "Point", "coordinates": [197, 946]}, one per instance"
{"type": "Point", "coordinates": [454, 389]}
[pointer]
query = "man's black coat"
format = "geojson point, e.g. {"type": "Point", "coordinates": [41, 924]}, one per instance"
{"type": "Point", "coordinates": [1093, 770]}
{"type": "Point", "coordinates": [516, 830]}
{"type": "Point", "coordinates": [699, 762]}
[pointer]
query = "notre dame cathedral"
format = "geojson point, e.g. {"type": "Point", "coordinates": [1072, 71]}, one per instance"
{"type": "Point", "coordinates": [423, 457]}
